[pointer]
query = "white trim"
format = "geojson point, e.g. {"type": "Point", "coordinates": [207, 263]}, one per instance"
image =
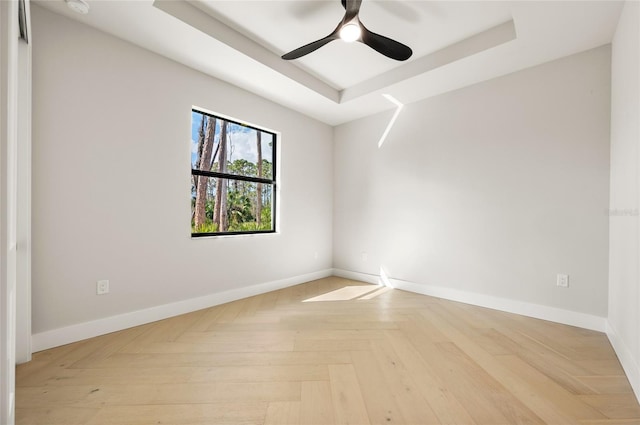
{"type": "Point", "coordinates": [9, 124]}
{"type": "Point", "coordinates": [629, 364]}
{"type": "Point", "coordinates": [23, 230]}
{"type": "Point", "coordinates": [537, 311]}
{"type": "Point", "coordinates": [56, 337]}
{"type": "Point", "coordinates": [362, 277]}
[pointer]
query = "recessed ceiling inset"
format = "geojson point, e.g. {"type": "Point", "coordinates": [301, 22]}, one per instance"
{"type": "Point", "coordinates": [199, 16]}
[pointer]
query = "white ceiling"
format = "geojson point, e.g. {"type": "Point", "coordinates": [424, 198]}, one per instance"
{"type": "Point", "coordinates": [455, 44]}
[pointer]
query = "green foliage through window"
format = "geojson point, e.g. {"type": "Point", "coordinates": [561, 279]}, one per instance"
{"type": "Point", "coordinates": [232, 177]}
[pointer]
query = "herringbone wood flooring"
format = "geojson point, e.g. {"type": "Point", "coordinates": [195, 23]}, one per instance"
{"type": "Point", "coordinates": [332, 351]}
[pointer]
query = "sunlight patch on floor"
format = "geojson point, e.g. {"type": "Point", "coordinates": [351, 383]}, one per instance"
{"type": "Point", "coordinates": [347, 293]}
{"type": "Point", "coordinates": [375, 293]}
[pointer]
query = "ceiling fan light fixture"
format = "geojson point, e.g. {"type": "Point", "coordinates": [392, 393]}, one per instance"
{"type": "Point", "coordinates": [350, 32]}
{"type": "Point", "coordinates": [350, 29]}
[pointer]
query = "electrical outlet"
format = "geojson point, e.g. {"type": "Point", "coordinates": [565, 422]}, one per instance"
{"type": "Point", "coordinates": [102, 287]}
{"type": "Point", "coordinates": [364, 256]}
{"type": "Point", "coordinates": [562, 280]}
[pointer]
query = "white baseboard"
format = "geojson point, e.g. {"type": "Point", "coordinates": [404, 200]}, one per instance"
{"type": "Point", "coordinates": [629, 363]}
{"type": "Point", "coordinates": [362, 277]}
{"type": "Point", "coordinates": [61, 336]}
{"type": "Point", "coordinates": [552, 314]}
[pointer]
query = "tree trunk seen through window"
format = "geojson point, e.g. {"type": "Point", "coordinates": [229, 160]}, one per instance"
{"type": "Point", "coordinates": [259, 185]}
{"type": "Point", "coordinates": [206, 142]}
{"type": "Point", "coordinates": [220, 211]}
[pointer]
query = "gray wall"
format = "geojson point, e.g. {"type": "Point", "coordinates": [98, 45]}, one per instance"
{"type": "Point", "coordinates": [493, 189]}
{"type": "Point", "coordinates": [624, 239]}
{"type": "Point", "coordinates": [111, 181]}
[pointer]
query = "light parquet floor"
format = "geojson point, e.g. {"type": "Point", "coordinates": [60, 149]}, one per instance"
{"type": "Point", "coordinates": [332, 351]}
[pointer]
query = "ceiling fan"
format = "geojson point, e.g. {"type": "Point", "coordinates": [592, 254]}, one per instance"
{"type": "Point", "coordinates": [351, 29]}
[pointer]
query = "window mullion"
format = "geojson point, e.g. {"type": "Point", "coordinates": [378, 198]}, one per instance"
{"type": "Point", "coordinates": [230, 176]}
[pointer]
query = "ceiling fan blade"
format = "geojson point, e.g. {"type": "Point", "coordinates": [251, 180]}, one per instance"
{"type": "Point", "coordinates": [388, 47]}
{"type": "Point", "coordinates": [353, 7]}
{"type": "Point", "coordinates": [308, 48]}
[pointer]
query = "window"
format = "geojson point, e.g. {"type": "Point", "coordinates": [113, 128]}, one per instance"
{"type": "Point", "coordinates": [233, 183]}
